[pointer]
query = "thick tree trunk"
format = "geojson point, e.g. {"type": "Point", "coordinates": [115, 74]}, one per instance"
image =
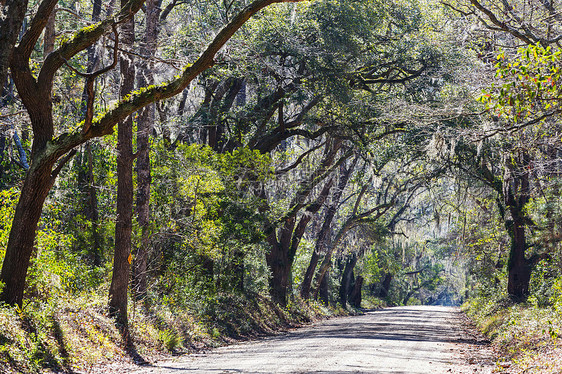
{"type": "Point", "coordinates": [278, 262]}
{"type": "Point", "coordinates": [347, 280]}
{"type": "Point", "coordinates": [355, 295]}
{"type": "Point", "coordinates": [516, 195]}
{"type": "Point", "coordinates": [123, 225]}
{"type": "Point", "coordinates": [22, 235]}
{"type": "Point", "coordinates": [10, 24]}
{"type": "Point", "coordinates": [519, 270]}
{"type": "Point", "coordinates": [385, 286]}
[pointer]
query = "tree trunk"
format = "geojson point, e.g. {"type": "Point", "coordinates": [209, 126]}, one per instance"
{"type": "Point", "coordinates": [20, 247]}
{"type": "Point", "coordinates": [309, 275]}
{"type": "Point", "coordinates": [144, 129]}
{"type": "Point", "coordinates": [347, 280]}
{"type": "Point", "coordinates": [10, 25]}
{"type": "Point", "coordinates": [324, 289]}
{"type": "Point", "coordinates": [355, 295]}
{"type": "Point", "coordinates": [385, 286]}
{"type": "Point", "coordinates": [324, 234]}
{"type": "Point", "coordinates": [49, 35]}
{"type": "Point", "coordinates": [516, 195]}
{"type": "Point", "coordinates": [123, 225]}
{"type": "Point", "coordinates": [519, 271]}
{"type": "Point", "coordinates": [278, 262]}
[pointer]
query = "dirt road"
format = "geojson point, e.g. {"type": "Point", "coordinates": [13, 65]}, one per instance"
{"type": "Point", "coordinates": [395, 340]}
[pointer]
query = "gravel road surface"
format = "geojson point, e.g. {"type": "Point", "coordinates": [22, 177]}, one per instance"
{"type": "Point", "coordinates": [410, 340]}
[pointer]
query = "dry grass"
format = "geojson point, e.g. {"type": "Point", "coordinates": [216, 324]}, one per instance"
{"type": "Point", "coordinates": [525, 336]}
{"type": "Point", "coordinates": [75, 334]}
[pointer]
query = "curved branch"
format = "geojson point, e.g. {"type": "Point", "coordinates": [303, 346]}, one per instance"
{"type": "Point", "coordinates": [104, 124]}
{"type": "Point", "coordinates": [34, 31]}
{"type": "Point", "coordinates": [84, 38]}
{"type": "Point", "coordinates": [502, 25]}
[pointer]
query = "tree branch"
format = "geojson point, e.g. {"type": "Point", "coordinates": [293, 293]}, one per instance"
{"type": "Point", "coordinates": [104, 123]}
{"type": "Point", "coordinates": [34, 31]}
{"type": "Point", "coordinates": [81, 40]}
{"type": "Point", "coordinates": [299, 160]}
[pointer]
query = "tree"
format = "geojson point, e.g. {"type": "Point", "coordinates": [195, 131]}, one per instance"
{"type": "Point", "coordinates": [122, 255]}
{"type": "Point", "coordinates": [514, 17]}
{"type": "Point", "coordinates": [50, 152]}
{"type": "Point", "coordinates": [10, 25]}
{"type": "Point", "coordinates": [285, 240]}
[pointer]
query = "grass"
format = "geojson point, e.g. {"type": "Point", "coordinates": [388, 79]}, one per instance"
{"type": "Point", "coordinates": [75, 334]}
{"type": "Point", "coordinates": [526, 335]}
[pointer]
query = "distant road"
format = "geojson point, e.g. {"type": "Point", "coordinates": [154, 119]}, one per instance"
{"type": "Point", "coordinates": [409, 340]}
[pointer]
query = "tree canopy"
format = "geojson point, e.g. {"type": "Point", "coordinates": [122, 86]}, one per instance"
{"type": "Point", "coordinates": [179, 154]}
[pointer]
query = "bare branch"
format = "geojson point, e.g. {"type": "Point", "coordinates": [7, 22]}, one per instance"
{"type": "Point", "coordinates": [299, 160]}
{"type": "Point", "coordinates": [61, 164]}
{"type": "Point", "coordinates": [34, 31]}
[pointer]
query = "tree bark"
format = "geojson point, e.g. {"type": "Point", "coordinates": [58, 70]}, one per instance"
{"type": "Point", "coordinates": [279, 266]}
{"type": "Point", "coordinates": [324, 289]}
{"type": "Point", "coordinates": [347, 279]}
{"type": "Point", "coordinates": [49, 36]}
{"type": "Point", "coordinates": [144, 129]}
{"type": "Point", "coordinates": [10, 26]}
{"type": "Point", "coordinates": [309, 274]}
{"type": "Point", "coordinates": [124, 222]}
{"type": "Point", "coordinates": [516, 195]}
{"type": "Point", "coordinates": [355, 295]}
{"type": "Point", "coordinates": [519, 271]}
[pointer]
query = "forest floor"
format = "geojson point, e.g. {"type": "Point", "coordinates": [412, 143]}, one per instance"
{"type": "Point", "coordinates": [420, 339]}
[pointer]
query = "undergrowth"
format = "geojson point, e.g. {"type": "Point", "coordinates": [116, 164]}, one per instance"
{"type": "Point", "coordinates": [75, 333]}
{"type": "Point", "coordinates": [527, 335]}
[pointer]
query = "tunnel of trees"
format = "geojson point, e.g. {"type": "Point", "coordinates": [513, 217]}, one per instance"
{"type": "Point", "coordinates": [178, 152]}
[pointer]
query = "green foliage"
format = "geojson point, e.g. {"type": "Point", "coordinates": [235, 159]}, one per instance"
{"type": "Point", "coordinates": [340, 66]}
{"type": "Point", "coordinates": [170, 339]}
{"type": "Point", "coordinates": [530, 84]}
{"type": "Point", "coordinates": [8, 201]}
{"type": "Point", "coordinates": [210, 224]}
